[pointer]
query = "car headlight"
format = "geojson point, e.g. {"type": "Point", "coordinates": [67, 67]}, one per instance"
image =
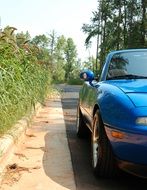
{"type": "Point", "coordinates": [141, 121]}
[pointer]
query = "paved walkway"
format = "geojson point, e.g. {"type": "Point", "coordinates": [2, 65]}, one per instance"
{"type": "Point", "coordinates": [42, 160]}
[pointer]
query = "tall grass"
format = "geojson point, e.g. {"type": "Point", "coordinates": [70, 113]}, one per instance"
{"type": "Point", "coordinates": [23, 82]}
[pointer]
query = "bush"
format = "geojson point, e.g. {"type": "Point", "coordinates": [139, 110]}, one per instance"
{"type": "Point", "coordinates": [23, 82]}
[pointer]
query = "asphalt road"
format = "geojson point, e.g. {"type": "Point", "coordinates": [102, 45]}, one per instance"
{"type": "Point", "coordinates": [80, 152]}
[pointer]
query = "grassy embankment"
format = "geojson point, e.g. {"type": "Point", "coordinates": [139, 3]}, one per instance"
{"type": "Point", "coordinates": [23, 83]}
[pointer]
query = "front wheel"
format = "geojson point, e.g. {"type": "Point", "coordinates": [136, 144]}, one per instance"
{"type": "Point", "coordinates": [103, 161]}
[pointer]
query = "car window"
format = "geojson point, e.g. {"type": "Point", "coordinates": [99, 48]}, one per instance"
{"type": "Point", "coordinates": [128, 63]}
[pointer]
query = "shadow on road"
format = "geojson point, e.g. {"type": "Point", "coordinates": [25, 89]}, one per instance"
{"type": "Point", "coordinates": [56, 158]}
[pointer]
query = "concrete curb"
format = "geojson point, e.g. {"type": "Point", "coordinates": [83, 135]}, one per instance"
{"type": "Point", "coordinates": [14, 136]}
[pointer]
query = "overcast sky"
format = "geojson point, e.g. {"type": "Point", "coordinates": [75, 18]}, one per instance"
{"type": "Point", "coordinates": [66, 17]}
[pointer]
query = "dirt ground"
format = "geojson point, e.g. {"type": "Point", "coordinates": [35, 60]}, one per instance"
{"type": "Point", "coordinates": [42, 160]}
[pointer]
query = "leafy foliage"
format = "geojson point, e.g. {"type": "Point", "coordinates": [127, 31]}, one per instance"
{"type": "Point", "coordinates": [70, 57]}
{"type": "Point", "coordinates": [23, 81]}
{"type": "Point", "coordinates": [27, 68]}
{"type": "Point", "coordinates": [118, 25]}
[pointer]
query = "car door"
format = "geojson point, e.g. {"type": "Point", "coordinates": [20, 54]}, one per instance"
{"type": "Point", "coordinates": [88, 99]}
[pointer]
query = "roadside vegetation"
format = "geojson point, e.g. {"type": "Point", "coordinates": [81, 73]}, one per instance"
{"type": "Point", "coordinates": [23, 80]}
{"type": "Point", "coordinates": [28, 69]}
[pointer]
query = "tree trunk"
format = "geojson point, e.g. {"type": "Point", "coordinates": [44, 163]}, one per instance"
{"type": "Point", "coordinates": [143, 23]}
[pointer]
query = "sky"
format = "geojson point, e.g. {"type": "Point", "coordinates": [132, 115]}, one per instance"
{"type": "Point", "coordinates": [38, 17]}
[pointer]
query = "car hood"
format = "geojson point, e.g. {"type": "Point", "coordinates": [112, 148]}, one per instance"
{"type": "Point", "coordinates": [135, 89]}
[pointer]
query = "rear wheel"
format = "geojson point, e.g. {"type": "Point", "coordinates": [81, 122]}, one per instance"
{"type": "Point", "coordinates": [102, 157]}
{"type": "Point", "coordinates": [81, 127]}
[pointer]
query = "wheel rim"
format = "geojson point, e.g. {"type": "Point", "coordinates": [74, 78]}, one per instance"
{"type": "Point", "coordinates": [95, 145]}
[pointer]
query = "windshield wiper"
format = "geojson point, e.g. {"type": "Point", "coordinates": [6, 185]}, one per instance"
{"type": "Point", "coordinates": [129, 76]}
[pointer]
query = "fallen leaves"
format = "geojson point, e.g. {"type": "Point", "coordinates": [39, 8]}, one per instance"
{"type": "Point", "coordinates": [13, 173]}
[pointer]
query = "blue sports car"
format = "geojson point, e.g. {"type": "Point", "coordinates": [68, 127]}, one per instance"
{"type": "Point", "coordinates": [114, 109]}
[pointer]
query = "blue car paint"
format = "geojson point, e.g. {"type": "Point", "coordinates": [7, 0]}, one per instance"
{"type": "Point", "coordinates": [131, 148]}
{"type": "Point", "coordinates": [120, 103]}
{"type": "Point", "coordinates": [125, 108]}
{"type": "Point", "coordinates": [122, 118]}
{"type": "Point", "coordinates": [131, 85]}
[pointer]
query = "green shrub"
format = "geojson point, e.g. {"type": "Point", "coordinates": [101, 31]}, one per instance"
{"type": "Point", "coordinates": [23, 82]}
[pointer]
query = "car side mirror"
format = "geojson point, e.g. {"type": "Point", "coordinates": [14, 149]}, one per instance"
{"type": "Point", "coordinates": [87, 75]}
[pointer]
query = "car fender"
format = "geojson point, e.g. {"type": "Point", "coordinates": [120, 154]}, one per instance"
{"type": "Point", "coordinates": [115, 107]}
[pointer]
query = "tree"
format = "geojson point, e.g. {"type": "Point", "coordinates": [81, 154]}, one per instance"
{"type": "Point", "coordinates": [59, 72]}
{"type": "Point", "coordinates": [39, 46]}
{"type": "Point", "coordinates": [77, 68]}
{"type": "Point", "coordinates": [70, 57]}
{"type": "Point", "coordinates": [41, 41]}
{"type": "Point", "coordinates": [52, 42]}
{"type": "Point", "coordinates": [118, 25]}
{"type": "Point", "coordinates": [144, 22]}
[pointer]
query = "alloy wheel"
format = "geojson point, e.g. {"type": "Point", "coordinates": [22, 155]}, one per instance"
{"type": "Point", "coordinates": [95, 145]}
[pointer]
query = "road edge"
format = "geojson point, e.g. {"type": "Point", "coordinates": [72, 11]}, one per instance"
{"type": "Point", "coordinates": [14, 136]}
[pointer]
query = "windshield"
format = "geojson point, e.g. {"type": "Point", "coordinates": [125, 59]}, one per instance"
{"type": "Point", "coordinates": [132, 64]}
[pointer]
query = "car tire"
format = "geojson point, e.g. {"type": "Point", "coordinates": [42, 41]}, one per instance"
{"type": "Point", "coordinates": [82, 130]}
{"type": "Point", "coordinates": [103, 161]}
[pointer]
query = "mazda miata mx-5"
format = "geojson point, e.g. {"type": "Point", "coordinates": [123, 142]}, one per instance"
{"type": "Point", "coordinates": [113, 106]}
